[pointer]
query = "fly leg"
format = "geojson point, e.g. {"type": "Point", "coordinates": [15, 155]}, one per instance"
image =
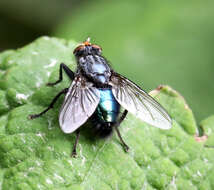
{"type": "Point", "coordinates": [33, 116]}
{"type": "Point", "coordinates": [68, 71]}
{"type": "Point", "coordinates": [74, 151]}
{"type": "Point", "coordinates": [116, 125]}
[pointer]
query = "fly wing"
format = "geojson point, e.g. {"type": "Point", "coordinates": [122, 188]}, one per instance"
{"type": "Point", "coordinates": [139, 103]}
{"type": "Point", "coordinates": [79, 104]}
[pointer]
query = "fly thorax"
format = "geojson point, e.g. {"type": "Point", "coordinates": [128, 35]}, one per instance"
{"type": "Point", "coordinates": [95, 68]}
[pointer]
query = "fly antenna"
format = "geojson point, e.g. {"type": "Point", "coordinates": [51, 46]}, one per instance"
{"type": "Point", "coordinates": [88, 39]}
{"type": "Point", "coordinates": [87, 42]}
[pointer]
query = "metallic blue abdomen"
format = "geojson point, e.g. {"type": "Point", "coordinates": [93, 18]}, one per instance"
{"type": "Point", "coordinates": [108, 108]}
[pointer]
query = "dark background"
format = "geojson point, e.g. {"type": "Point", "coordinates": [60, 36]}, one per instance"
{"type": "Point", "coordinates": [151, 42]}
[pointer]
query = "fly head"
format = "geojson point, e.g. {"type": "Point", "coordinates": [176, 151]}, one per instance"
{"type": "Point", "coordinates": [91, 63]}
{"type": "Point", "coordinates": [86, 48]}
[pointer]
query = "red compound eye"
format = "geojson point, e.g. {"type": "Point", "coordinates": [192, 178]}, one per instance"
{"type": "Point", "coordinates": [78, 48]}
{"type": "Point", "coordinates": [96, 47]}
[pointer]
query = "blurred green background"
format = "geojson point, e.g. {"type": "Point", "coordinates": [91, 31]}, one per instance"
{"type": "Point", "coordinates": [151, 42]}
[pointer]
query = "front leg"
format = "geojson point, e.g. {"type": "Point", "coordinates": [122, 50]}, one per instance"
{"type": "Point", "coordinates": [68, 71]}
{"type": "Point", "coordinates": [33, 116]}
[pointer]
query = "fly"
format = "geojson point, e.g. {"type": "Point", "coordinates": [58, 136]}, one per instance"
{"type": "Point", "coordinates": [98, 92]}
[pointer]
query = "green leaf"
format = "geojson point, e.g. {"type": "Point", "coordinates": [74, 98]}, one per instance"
{"type": "Point", "coordinates": [35, 154]}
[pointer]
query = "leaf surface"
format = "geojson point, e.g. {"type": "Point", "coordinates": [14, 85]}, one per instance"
{"type": "Point", "coordinates": [35, 154]}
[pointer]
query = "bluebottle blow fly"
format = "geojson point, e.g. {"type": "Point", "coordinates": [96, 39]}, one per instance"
{"type": "Point", "coordinates": [97, 92]}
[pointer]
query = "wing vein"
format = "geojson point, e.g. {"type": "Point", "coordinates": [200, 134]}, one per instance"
{"type": "Point", "coordinates": [79, 105]}
{"type": "Point", "coordinates": [138, 102]}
